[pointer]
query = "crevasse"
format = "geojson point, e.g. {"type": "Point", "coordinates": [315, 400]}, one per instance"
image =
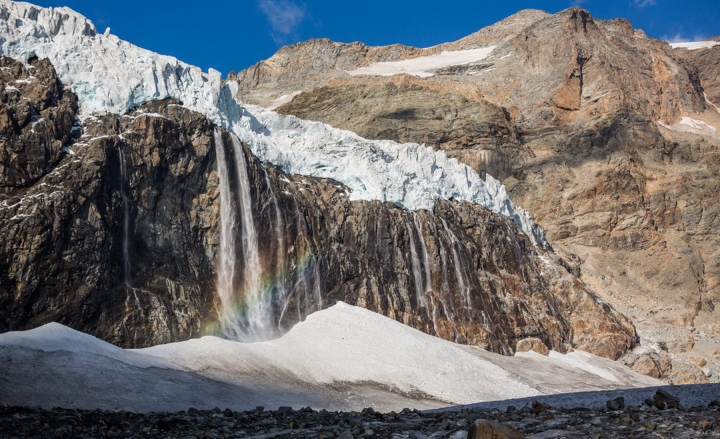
{"type": "Point", "coordinates": [111, 75]}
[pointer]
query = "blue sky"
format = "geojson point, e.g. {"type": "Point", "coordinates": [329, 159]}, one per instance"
{"type": "Point", "coordinates": [234, 34]}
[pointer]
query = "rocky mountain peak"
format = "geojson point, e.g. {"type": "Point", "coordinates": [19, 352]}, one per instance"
{"type": "Point", "coordinates": [593, 125]}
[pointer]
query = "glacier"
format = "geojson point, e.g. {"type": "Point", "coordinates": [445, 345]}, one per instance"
{"type": "Point", "coordinates": [110, 75]}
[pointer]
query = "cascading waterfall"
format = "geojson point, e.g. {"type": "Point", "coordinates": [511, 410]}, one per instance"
{"type": "Point", "coordinates": [226, 263]}
{"type": "Point", "coordinates": [282, 294]}
{"type": "Point", "coordinates": [426, 258]}
{"type": "Point", "coordinates": [126, 219]}
{"type": "Point", "coordinates": [303, 264]}
{"type": "Point", "coordinates": [127, 268]}
{"type": "Point", "coordinates": [415, 261]}
{"type": "Point", "coordinates": [256, 324]}
{"type": "Point", "coordinates": [446, 286]}
{"type": "Point", "coordinates": [464, 290]}
{"type": "Point", "coordinates": [244, 314]}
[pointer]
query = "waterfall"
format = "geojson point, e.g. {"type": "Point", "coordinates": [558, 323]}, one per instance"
{"type": "Point", "coordinates": [226, 263]}
{"type": "Point", "coordinates": [257, 325]}
{"type": "Point", "coordinates": [246, 313]}
{"type": "Point", "coordinates": [418, 225]}
{"type": "Point", "coordinates": [307, 259]}
{"type": "Point", "coordinates": [445, 280]}
{"type": "Point", "coordinates": [280, 263]}
{"type": "Point", "coordinates": [464, 290]}
{"type": "Point", "coordinates": [127, 268]}
{"type": "Point", "coordinates": [415, 261]}
{"type": "Point", "coordinates": [126, 220]}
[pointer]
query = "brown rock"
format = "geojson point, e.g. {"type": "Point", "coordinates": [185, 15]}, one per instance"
{"type": "Point", "coordinates": [653, 364]}
{"type": "Point", "coordinates": [699, 362]}
{"type": "Point", "coordinates": [532, 344]}
{"type": "Point", "coordinates": [484, 429]}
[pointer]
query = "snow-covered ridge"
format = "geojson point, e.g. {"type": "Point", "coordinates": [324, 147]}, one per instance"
{"type": "Point", "coordinates": [111, 75]}
{"type": "Point", "coordinates": [424, 65]}
{"type": "Point", "coordinates": [695, 45]}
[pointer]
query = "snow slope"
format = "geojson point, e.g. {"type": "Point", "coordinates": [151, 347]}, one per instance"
{"type": "Point", "coordinates": [424, 65]}
{"type": "Point", "coordinates": [695, 45]}
{"type": "Point", "coordinates": [341, 358]}
{"type": "Point", "coordinates": [690, 125]}
{"type": "Point", "coordinates": [111, 75]}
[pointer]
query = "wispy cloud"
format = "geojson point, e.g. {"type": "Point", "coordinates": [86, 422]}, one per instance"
{"type": "Point", "coordinates": [579, 2]}
{"type": "Point", "coordinates": [680, 38]}
{"type": "Point", "coordinates": [677, 38]}
{"type": "Point", "coordinates": [284, 16]}
{"type": "Point", "coordinates": [643, 3]}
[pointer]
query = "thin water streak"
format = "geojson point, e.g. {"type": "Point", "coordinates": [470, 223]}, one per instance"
{"type": "Point", "coordinates": [127, 268]}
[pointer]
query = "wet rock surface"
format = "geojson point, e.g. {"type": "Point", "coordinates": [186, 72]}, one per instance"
{"type": "Point", "coordinates": [533, 420]}
{"type": "Point", "coordinates": [120, 239]}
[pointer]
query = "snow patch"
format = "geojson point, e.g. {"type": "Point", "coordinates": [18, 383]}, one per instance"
{"type": "Point", "coordinates": [695, 45]}
{"type": "Point", "coordinates": [423, 66]}
{"type": "Point", "coordinates": [282, 100]}
{"type": "Point", "coordinates": [708, 101]}
{"type": "Point", "coordinates": [690, 125]}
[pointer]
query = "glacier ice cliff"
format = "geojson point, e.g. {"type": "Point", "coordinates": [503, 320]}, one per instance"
{"type": "Point", "coordinates": [110, 75]}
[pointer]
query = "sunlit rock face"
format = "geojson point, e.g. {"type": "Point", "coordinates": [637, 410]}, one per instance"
{"type": "Point", "coordinates": [607, 137]}
{"type": "Point", "coordinates": [123, 238]}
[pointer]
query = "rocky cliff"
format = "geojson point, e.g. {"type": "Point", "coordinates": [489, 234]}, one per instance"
{"type": "Point", "coordinates": [607, 137]}
{"type": "Point", "coordinates": [157, 225]}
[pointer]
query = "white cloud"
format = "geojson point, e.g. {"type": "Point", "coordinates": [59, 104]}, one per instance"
{"type": "Point", "coordinates": [643, 3]}
{"type": "Point", "coordinates": [680, 38]}
{"type": "Point", "coordinates": [677, 38]}
{"type": "Point", "coordinates": [285, 16]}
{"type": "Point", "coordinates": [579, 2]}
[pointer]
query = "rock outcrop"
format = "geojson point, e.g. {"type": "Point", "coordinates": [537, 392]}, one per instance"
{"type": "Point", "coordinates": [608, 137]}
{"type": "Point", "coordinates": [122, 238]}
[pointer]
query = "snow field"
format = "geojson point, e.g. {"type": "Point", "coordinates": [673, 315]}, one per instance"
{"type": "Point", "coordinates": [423, 66]}
{"type": "Point", "coordinates": [346, 347]}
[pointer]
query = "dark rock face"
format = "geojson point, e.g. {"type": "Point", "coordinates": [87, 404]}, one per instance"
{"type": "Point", "coordinates": [36, 120]}
{"type": "Point", "coordinates": [121, 239]}
{"type": "Point", "coordinates": [64, 234]}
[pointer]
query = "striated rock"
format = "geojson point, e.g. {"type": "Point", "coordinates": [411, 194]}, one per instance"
{"type": "Point", "coordinates": [409, 109]}
{"type": "Point", "coordinates": [292, 68]}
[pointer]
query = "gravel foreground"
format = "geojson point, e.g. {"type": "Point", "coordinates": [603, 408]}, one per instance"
{"type": "Point", "coordinates": [660, 416]}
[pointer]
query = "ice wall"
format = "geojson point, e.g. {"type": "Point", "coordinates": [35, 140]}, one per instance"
{"type": "Point", "coordinates": [111, 75]}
